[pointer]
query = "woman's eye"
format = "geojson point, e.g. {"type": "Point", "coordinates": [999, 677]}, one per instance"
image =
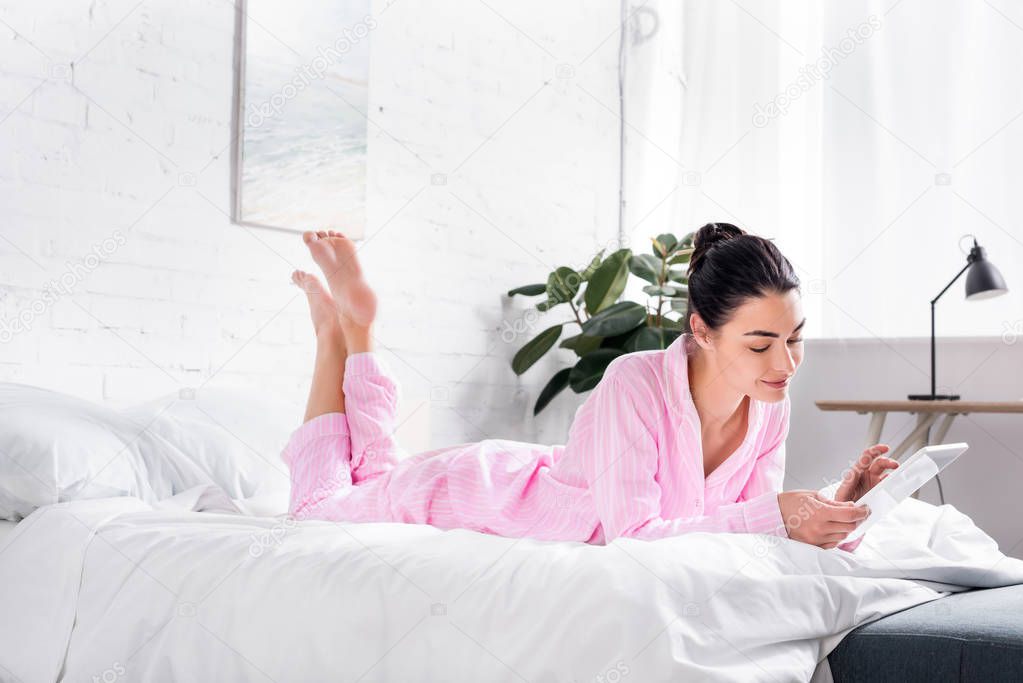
{"type": "Point", "coordinates": [765, 348]}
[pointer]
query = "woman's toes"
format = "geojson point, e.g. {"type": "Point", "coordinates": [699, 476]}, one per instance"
{"type": "Point", "coordinates": [321, 234]}
{"type": "Point", "coordinates": [308, 236]}
{"type": "Point", "coordinates": [321, 305]}
{"type": "Point", "coordinates": [308, 283]}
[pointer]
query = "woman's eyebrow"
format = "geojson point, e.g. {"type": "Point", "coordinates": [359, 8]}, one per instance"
{"type": "Point", "coordinates": [765, 333]}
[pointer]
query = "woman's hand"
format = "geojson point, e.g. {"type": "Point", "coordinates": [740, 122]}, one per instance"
{"type": "Point", "coordinates": [812, 518]}
{"type": "Point", "coordinates": [870, 468]}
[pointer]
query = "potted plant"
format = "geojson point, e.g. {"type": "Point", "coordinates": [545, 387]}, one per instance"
{"type": "Point", "coordinates": [609, 328]}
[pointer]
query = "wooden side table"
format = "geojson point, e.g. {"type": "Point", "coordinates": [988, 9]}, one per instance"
{"type": "Point", "coordinates": [927, 413]}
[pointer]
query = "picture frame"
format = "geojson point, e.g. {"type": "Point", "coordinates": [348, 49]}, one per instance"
{"type": "Point", "coordinates": [299, 115]}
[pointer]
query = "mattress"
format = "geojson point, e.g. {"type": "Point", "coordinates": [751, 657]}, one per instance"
{"type": "Point", "coordinates": [976, 635]}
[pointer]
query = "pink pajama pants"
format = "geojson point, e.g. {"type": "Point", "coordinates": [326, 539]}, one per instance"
{"type": "Point", "coordinates": [345, 467]}
{"type": "Point", "coordinates": [342, 463]}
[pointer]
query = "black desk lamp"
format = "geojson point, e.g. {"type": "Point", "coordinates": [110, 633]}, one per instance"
{"type": "Point", "coordinates": [983, 282]}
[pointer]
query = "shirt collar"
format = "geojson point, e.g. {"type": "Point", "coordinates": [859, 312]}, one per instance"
{"type": "Point", "coordinates": [675, 367]}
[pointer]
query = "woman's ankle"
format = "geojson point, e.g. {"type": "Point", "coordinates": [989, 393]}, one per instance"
{"type": "Point", "coordinates": [358, 339]}
{"type": "Point", "coordinates": [331, 341]}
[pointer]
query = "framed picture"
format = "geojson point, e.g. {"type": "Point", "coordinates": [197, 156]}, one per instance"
{"type": "Point", "coordinates": [300, 115]}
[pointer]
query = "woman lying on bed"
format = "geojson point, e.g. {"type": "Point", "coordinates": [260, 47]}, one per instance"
{"type": "Point", "coordinates": [689, 438]}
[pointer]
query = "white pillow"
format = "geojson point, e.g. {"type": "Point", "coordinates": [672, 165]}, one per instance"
{"type": "Point", "coordinates": [55, 448]}
{"type": "Point", "coordinates": [233, 437]}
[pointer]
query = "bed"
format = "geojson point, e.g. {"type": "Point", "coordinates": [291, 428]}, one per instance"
{"type": "Point", "coordinates": [180, 564]}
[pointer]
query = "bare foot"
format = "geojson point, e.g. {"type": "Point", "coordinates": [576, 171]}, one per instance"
{"type": "Point", "coordinates": [322, 308]}
{"type": "Point", "coordinates": [335, 254]}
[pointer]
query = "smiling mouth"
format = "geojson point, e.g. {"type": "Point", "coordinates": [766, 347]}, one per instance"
{"type": "Point", "coordinates": [776, 385]}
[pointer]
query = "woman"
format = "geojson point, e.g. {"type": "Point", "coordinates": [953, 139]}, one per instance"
{"type": "Point", "coordinates": [689, 438]}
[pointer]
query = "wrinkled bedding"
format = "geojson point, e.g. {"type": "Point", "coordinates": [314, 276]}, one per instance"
{"type": "Point", "coordinates": [190, 589]}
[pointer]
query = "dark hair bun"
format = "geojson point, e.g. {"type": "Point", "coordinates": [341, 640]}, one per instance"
{"type": "Point", "coordinates": [728, 266]}
{"type": "Point", "coordinates": [709, 235]}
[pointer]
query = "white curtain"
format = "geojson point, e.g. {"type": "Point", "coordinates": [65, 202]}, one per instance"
{"type": "Point", "coordinates": [895, 132]}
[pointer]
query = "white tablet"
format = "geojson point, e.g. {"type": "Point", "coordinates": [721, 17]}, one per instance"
{"type": "Point", "coordinates": [909, 476]}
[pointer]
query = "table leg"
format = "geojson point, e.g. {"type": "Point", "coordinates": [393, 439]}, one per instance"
{"type": "Point", "coordinates": [923, 423]}
{"type": "Point", "coordinates": [876, 426]}
{"type": "Point", "coordinates": [942, 430]}
{"type": "Point", "coordinates": [924, 440]}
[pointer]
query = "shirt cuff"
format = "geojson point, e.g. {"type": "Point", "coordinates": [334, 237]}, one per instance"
{"type": "Point", "coordinates": [762, 515]}
{"type": "Point", "coordinates": [365, 363]}
{"type": "Point", "coordinates": [851, 545]}
{"type": "Point", "coordinates": [328, 424]}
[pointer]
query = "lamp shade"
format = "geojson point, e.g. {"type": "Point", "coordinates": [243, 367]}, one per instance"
{"type": "Point", "coordinates": [983, 281]}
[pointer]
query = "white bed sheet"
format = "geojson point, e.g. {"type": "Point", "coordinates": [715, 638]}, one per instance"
{"type": "Point", "coordinates": [6, 528]}
{"type": "Point", "coordinates": [173, 594]}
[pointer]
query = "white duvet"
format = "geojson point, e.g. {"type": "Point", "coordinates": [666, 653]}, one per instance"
{"type": "Point", "coordinates": [119, 590]}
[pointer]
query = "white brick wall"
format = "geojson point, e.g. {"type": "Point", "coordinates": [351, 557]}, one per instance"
{"type": "Point", "coordinates": [530, 161]}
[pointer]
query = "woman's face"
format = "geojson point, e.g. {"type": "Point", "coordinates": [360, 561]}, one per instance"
{"type": "Point", "coordinates": [762, 343]}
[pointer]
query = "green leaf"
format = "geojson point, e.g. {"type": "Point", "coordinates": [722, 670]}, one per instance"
{"type": "Point", "coordinates": [651, 338]}
{"type": "Point", "coordinates": [680, 305]}
{"type": "Point", "coordinates": [669, 324]}
{"type": "Point", "coordinates": [618, 341]}
{"type": "Point", "coordinates": [665, 290]}
{"type": "Point", "coordinates": [529, 290]}
{"type": "Point", "coordinates": [562, 285]}
{"type": "Point", "coordinates": [678, 275]}
{"type": "Point", "coordinates": [616, 319]}
{"type": "Point", "coordinates": [588, 372]}
{"type": "Point", "coordinates": [608, 281]}
{"type": "Point", "coordinates": [664, 244]}
{"type": "Point", "coordinates": [646, 267]}
{"type": "Point", "coordinates": [535, 349]}
{"type": "Point", "coordinates": [594, 264]}
{"type": "Point", "coordinates": [683, 292]}
{"type": "Point", "coordinates": [678, 257]}
{"type": "Point", "coordinates": [581, 344]}
{"type": "Point", "coordinates": [554, 387]}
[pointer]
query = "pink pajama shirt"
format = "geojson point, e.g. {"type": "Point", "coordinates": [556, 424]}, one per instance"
{"type": "Point", "coordinates": [632, 465]}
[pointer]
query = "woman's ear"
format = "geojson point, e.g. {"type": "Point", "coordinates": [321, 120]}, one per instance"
{"type": "Point", "coordinates": [700, 332]}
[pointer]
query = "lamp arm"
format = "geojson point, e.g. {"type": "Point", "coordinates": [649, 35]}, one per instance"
{"type": "Point", "coordinates": [952, 282]}
{"type": "Point", "coordinates": [934, 378]}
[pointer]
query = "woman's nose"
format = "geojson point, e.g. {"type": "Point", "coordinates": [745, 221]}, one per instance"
{"type": "Point", "coordinates": [788, 362]}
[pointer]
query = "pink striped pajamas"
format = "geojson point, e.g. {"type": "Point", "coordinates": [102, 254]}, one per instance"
{"type": "Point", "coordinates": [632, 465]}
